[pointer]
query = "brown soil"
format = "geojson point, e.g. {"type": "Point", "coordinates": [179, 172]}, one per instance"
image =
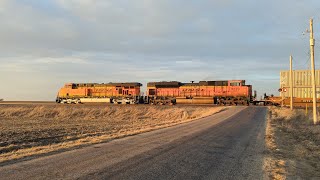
{"type": "Point", "coordinates": [293, 144]}
{"type": "Point", "coordinates": [30, 129]}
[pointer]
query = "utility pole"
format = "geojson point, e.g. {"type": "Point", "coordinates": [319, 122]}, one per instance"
{"type": "Point", "coordinates": [313, 76]}
{"type": "Point", "coordinates": [291, 84]}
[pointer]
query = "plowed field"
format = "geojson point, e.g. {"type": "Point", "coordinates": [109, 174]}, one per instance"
{"type": "Point", "coordinates": [31, 129]}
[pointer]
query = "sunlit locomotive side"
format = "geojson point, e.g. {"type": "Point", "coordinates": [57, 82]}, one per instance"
{"type": "Point", "coordinates": [99, 92]}
{"type": "Point", "coordinates": [231, 92]}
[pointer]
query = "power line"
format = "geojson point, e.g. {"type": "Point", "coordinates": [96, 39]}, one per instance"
{"type": "Point", "coordinates": [305, 65]}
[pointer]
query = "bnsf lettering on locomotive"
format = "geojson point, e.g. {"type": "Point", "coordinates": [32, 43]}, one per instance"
{"type": "Point", "coordinates": [102, 90]}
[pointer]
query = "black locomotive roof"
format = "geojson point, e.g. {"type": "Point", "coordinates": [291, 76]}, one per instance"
{"type": "Point", "coordinates": [126, 84]}
{"type": "Point", "coordinates": [164, 84]}
{"type": "Point", "coordinates": [191, 84]}
{"type": "Point", "coordinates": [106, 84]}
{"type": "Point", "coordinates": [200, 83]}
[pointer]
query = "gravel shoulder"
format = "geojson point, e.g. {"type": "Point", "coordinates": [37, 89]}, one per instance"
{"type": "Point", "coordinates": [293, 144]}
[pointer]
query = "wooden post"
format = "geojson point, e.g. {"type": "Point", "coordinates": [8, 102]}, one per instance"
{"type": "Point", "coordinates": [313, 76]}
{"type": "Point", "coordinates": [291, 84]}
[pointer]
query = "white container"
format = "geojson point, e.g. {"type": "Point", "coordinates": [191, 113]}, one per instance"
{"type": "Point", "coordinates": [301, 83]}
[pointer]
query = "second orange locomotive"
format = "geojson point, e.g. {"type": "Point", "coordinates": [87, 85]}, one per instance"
{"type": "Point", "coordinates": [230, 92]}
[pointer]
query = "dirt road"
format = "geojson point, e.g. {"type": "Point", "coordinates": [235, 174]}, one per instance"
{"type": "Point", "coordinates": [228, 145]}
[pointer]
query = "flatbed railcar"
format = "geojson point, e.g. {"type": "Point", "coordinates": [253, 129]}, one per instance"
{"type": "Point", "coordinates": [297, 102]}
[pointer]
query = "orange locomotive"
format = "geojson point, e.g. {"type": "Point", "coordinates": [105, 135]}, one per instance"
{"type": "Point", "coordinates": [231, 92]}
{"type": "Point", "coordinates": [99, 92]}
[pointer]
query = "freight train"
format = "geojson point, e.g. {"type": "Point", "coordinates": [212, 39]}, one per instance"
{"type": "Point", "coordinates": [230, 92]}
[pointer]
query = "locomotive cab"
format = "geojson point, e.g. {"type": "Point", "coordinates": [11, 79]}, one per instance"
{"type": "Point", "coordinates": [237, 83]}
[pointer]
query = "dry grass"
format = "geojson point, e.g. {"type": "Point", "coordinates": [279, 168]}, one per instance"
{"type": "Point", "coordinates": [294, 144]}
{"type": "Point", "coordinates": [35, 129]}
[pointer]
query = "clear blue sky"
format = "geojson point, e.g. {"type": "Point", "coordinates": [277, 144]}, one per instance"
{"type": "Point", "coordinates": [44, 44]}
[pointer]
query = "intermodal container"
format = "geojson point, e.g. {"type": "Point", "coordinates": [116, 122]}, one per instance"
{"type": "Point", "coordinates": [301, 83]}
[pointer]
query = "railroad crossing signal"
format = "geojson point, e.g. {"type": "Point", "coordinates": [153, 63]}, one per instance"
{"type": "Point", "coordinates": [282, 89]}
